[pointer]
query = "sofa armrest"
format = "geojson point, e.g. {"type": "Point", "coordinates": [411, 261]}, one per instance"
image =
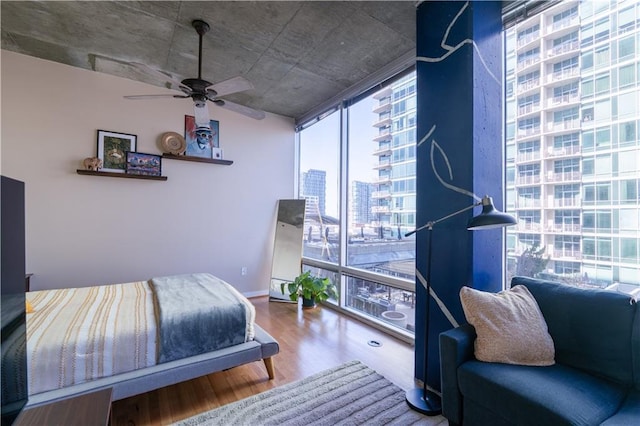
{"type": "Point", "coordinates": [456, 347]}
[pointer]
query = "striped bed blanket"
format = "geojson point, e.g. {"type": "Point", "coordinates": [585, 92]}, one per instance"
{"type": "Point", "coordinates": [77, 335]}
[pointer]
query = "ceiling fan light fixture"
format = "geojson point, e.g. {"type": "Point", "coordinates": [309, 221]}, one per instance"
{"type": "Point", "coordinates": [201, 114]}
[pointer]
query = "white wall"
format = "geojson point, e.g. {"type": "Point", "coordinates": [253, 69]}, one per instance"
{"type": "Point", "coordinates": [87, 230]}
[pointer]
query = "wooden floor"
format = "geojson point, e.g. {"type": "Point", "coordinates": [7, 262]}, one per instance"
{"type": "Point", "coordinates": [310, 341]}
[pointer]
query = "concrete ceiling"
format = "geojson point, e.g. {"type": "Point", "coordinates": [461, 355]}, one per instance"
{"type": "Point", "coordinates": [296, 54]}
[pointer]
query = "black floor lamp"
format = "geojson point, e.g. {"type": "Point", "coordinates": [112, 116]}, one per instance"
{"type": "Point", "coordinates": [420, 399]}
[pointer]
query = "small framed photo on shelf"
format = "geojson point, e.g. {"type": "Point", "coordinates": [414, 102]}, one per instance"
{"type": "Point", "coordinates": [201, 142]}
{"type": "Point", "coordinates": [112, 148]}
{"type": "Point", "coordinates": [139, 163]}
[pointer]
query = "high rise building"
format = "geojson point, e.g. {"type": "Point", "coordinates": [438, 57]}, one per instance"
{"type": "Point", "coordinates": [395, 197]}
{"type": "Point", "coordinates": [361, 203]}
{"type": "Point", "coordinates": [314, 184]}
{"type": "Point", "coordinates": [572, 147]}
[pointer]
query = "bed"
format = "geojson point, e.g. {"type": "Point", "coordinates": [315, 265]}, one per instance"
{"type": "Point", "coordinates": [139, 336]}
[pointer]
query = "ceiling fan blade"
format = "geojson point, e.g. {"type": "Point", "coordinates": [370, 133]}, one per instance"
{"type": "Point", "coordinates": [233, 85]}
{"type": "Point", "coordinates": [241, 109]}
{"type": "Point", "coordinates": [169, 81]}
{"type": "Point", "coordinates": [138, 97]}
{"type": "Point", "coordinates": [186, 90]}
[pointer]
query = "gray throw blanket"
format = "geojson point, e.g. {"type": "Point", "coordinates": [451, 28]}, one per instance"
{"type": "Point", "coordinates": [196, 314]}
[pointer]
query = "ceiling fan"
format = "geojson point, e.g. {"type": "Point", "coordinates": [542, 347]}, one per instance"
{"type": "Point", "coordinates": [201, 90]}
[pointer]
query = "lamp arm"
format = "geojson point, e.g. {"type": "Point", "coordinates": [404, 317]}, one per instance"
{"type": "Point", "coordinates": [433, 222]}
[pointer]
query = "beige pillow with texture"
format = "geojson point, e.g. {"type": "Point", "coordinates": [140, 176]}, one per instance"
{"type": "Point", "coordinates": [509, 326]}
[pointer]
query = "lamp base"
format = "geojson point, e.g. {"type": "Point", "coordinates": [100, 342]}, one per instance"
{"type": "Point", "coordinates": [431, 405]}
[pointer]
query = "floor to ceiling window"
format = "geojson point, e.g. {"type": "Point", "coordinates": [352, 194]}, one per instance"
{"type": "Point", "coordinates": [319, 183]}
{"type": "Point", "coordinates": [574, 73]}
{"type": "Point", "coordinates": [357, 213]}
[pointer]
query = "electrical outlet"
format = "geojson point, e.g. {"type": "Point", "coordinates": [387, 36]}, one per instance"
{"type": "Point", "coordinates": [243, 271]}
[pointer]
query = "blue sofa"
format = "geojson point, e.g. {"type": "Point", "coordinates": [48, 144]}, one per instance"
{"type": "Point", "coordinates": [595, 380]}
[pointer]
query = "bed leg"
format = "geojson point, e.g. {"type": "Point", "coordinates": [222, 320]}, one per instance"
{"type": "Point", "coordinates": [268, 362]}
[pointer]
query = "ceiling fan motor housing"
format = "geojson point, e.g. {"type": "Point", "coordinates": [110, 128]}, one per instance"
{"type": "Point", "coordinates": [197, 85]}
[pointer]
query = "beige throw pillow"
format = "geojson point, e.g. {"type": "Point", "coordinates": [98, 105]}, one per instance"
{"type": "Point", "coordinates": [509, 325]}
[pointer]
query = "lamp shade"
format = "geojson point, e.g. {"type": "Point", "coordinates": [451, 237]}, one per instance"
{"type": "Point", "coordinates": [490, 217]}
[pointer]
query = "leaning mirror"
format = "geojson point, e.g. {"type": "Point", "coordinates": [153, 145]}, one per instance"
{"type": "Point", "coordinates": [287, 247]}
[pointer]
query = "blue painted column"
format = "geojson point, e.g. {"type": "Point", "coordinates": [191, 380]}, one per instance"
{"type": "Point", "coordinates": [460, 159]}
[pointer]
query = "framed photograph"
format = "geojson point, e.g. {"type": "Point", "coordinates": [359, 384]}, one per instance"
{"type": "Point", "coordinates": [139, 163]}
{"type": "Point", "coordinates": [217, 153]}
{"type": "Point", "coordinates": [200, 143]}
{"type": "Point", "coordinates": [112, 148]}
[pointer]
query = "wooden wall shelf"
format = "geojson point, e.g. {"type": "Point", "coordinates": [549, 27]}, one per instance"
{"type": "Point", "coordinates": [119, 175]}
{"type": "Point", "coordinates": [198, 159]}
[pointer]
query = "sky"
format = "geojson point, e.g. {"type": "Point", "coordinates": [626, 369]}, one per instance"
{"type": "Point", "coordinates": [320, 149]}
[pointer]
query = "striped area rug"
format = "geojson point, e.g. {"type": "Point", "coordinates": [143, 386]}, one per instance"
{"type": "Point", "coordinates": [350, 394]}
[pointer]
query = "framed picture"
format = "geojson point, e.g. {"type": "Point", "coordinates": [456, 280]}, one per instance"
{"type": "Point", "coordinates": [139, 163]}
{"type": "Point", "coordinates": [112, 148]}
{"type": "Point", "coordinates": [200, 143]}
{"type": "Point", "coordinates": [217, 153]}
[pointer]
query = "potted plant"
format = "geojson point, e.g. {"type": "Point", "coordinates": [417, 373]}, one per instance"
{"type": "Point", "coordinates": [311, 289]}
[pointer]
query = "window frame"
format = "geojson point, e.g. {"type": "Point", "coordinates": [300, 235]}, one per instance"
{"type": "Point", "coordinates": [405, 147]}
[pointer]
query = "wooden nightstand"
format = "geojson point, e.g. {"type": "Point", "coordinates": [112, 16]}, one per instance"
{"type": "Point", "coordinates": [91, 409]}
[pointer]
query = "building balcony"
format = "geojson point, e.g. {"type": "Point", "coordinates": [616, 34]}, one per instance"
{"type": "Point", "coordinates": [565, 74]}
{"type": "Point", "coordinates": [382, 180]}
{"type": "Point", "coordinates": [383, 149]}
{"type": "Point", "coordinates": [383, 136]}
{"type": "Point", "coordinates": [564, 228]}
{"type": "Point", "coordinates": [529, 131]}
{"type": "Point", "coordinates": [381, 194]}
{"type": "Point", "coordinates": [524, 226]}
{"type": "Point", "coordinates": [383, 121]}
{"type": "Point", "coordinates": [383, 106]}
{"type": "Point", "coordinates": [566, 151]}
{"type": "Point", "coordinates": [567, 255]}
{"type": "Point", "coordinates": [528, 109]}
{"type": "Point", "coordinates": [529, 38]}
{"type": "Point", "coordinates": [523, 157]}
{"type": "Point", "coordinates": [526, 63]}
{"type": "Point", "coordinates": [564, 177]}
{"type": "Point", "coordinates": [563, 48]}
{"type": "Point", "coordinates": [383, 93]}
{"type": "Point", "coordinates": [587, 120]}
{"type": "Point", "coordinates": [568, 22]}
{"type": "Point", "coordinates": [567, 202]}
{"type": "Point", "coordinates": [383, 164]}
{"type": "Point", "coordinates": [527, 86]}
{"type": "Point", "coordinates": [563, 100]}
{"type": "Point", "coordinates": [527, 203]}
{"type": "Point", "coordinates": [380, 209]}
{"type": "Point", "coordinates": [573, 124]}
{"type": "Point", "coordinates": [528, 180]}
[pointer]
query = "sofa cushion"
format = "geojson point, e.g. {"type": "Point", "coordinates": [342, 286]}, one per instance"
{"type": "Point", "coordinates": [591, 329]}
{"type": "Point", "coordinates": [509, 326]}
{"type": "Point", "coordinates": [553, 395]}
{"type": "Point", "coordinates": [628, 414]}
{"type": "Point", "coordinates": [477, 415]}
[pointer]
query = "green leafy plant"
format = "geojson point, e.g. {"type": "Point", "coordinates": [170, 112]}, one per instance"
{"type": "Point", "coordinates": [532, 261]}
{"type": "Point", "coordinates": [309, 287]}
